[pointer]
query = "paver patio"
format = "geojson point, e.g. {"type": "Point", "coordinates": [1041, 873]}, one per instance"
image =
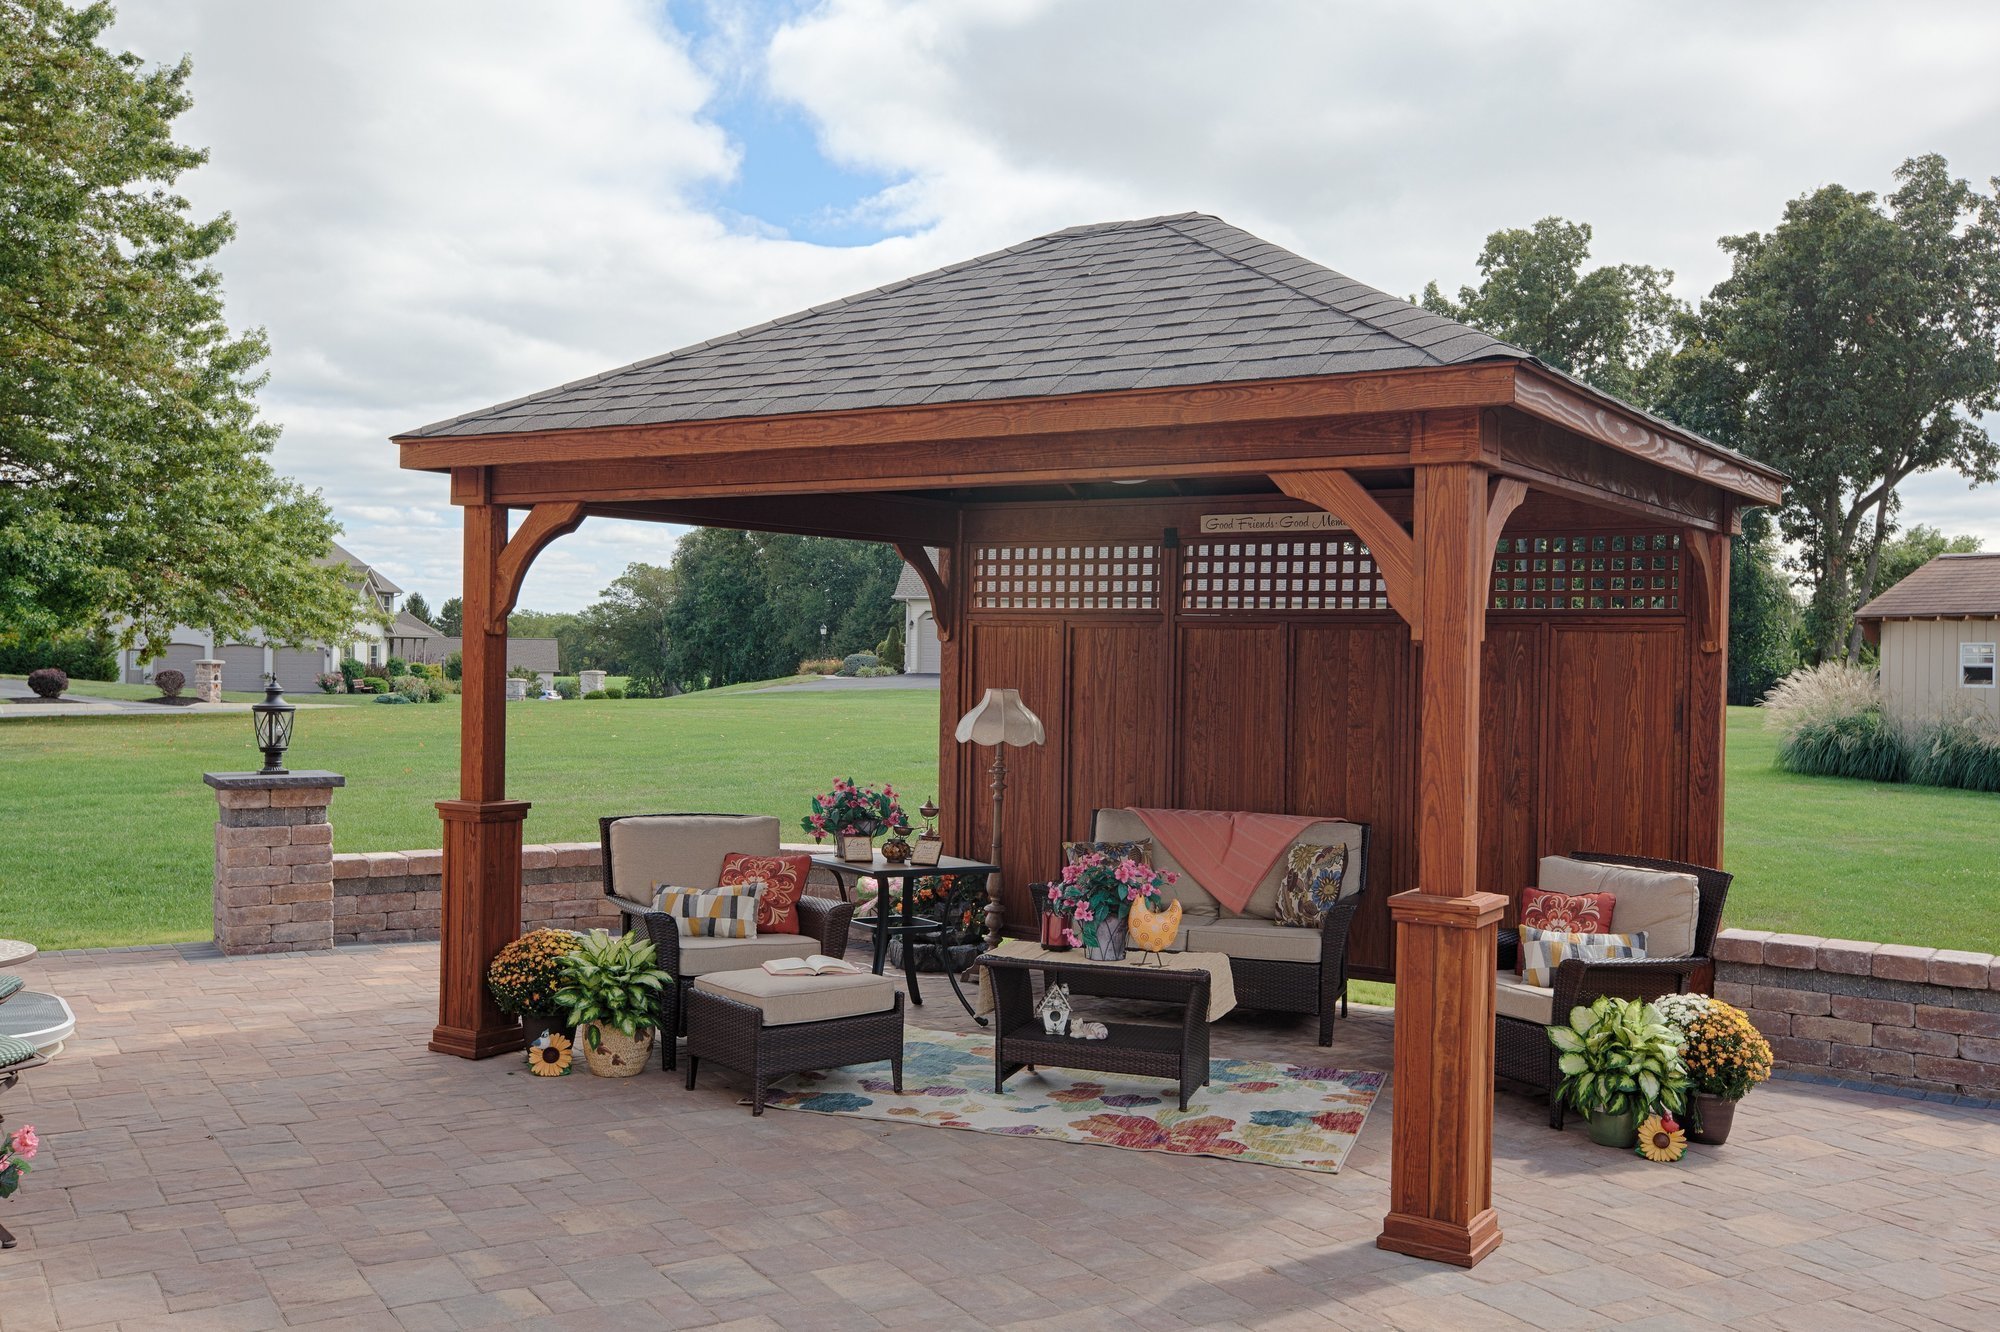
{"type": "Point", "coordinates": [263, 1142]}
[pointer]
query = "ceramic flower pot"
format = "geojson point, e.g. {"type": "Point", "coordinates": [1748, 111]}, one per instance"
{"type": "Point", "coordinates": [1713, 1118]}
{"type": "Point", "coordinates": [613, 1054]}
{"type": "Point", "coordinates": [1620, 1130]}
{"type": "Point", "coordinates": [1110, 945]}
{"type": "Point", "coordinates": [536, 1025]}
{"type": "Point", "coordinates": [856, 849]}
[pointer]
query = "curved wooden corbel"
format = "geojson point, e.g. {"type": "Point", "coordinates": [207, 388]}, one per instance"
{"type": "Point", "coordinates": [1711, 560]}
{"type": "Point", "coordinates": [919, 558]}
{"type": "Point", "coordinates": [544, 523]}
{"type": "Point", "coordinates": [1387, 540]}
{"type": "Point", "coordinates": [1503, 495]}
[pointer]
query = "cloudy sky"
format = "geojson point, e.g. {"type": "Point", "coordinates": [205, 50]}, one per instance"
{"type": "Point", "coordinates": [447, 204]}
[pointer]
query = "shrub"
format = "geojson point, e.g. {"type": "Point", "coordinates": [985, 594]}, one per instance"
{"type": "Point", "coordinates": [169, 683]}
{"type": "Point", "coordinates": [412, 687]}
{"type": "Point", "coordinates": [1830, 723]}
{"type": "Point", "coordinates": [1959, 748]}
{"type": "Point", "coordinates": [820, 666]}
{"type": "Point", "coordinates": [877, 672]}
{"type": "Point", "coordinates": [331, 682]}
{"type": "Point", "coordinates": [374, 672]}
{"type": "Point", "coordinates": [352, 669]}
{"type": "Point", "coordinates": [598, 693]}
{"type": "Point", "coordinates": [391, 698]}
{"type": "Point", "coordinates": [566, 686]}
{"type": "Point", "coordinates": [852, 663]}
{"type": "Point", "coordinates": [80, 657]}
{"type": "Point", "coordinates": [396, 666]}
{"type": "Point", "coordinates": [430, 670]}
{"type": "Point", "coordinates": [890, 649]}
{"type": "Point", "coordinates": [613, 691]}
{"type": "Point", "coordinates": [454, 665]}
{"type": "Point", "coordinates": [521, 672]}
{"type": "Point", "coordinates": [48, 682]}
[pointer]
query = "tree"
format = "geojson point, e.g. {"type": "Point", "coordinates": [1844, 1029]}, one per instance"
{"type": "Point", "coordinates": [1855, 345]}
{"type": "Point", "coordinates": [134, 479]}
{"type": "Point", "coordinates": [1763, 613]}
{"type": "Point", "coordinates": [418, 608]}
{"type": "Point", "coordinates": [1913, 550]}
{"type": "Point", "coordinates": [1612, 327]}
{"type": "Point", "coordinates": [626, 631]}
{"type": "Point", "coordinates": [450, 619]}
{"type": "Point", "coordinates": [718, 627]}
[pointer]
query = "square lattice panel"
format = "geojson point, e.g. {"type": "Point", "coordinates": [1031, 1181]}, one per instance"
{"type": "Point", "coordinates": [1599, 571]}
{"type": "Point", "coordinates": [1320, 574]}
{"type": "Point", "coordinates": [1066, 577]}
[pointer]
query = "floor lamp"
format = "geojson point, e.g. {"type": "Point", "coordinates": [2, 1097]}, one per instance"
{"type": "Point", "coordinates": [1000, 720]}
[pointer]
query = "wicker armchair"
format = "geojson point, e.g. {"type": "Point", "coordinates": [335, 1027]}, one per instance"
{"type": "Point", "coordinates": [1522, 1052]}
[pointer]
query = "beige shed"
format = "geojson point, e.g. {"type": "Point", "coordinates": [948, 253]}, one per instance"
{"type": "Point", "coordinates": [1938, 630]}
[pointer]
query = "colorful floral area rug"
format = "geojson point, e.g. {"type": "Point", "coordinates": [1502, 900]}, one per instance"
{"type": "Point", "coordinates": [1300, 1117]}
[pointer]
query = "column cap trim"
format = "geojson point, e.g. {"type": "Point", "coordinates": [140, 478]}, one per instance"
{"type": "Point", "coordinates": [1470, 911]}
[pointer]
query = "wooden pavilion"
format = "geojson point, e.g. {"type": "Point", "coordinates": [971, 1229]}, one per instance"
{"type": "Point", "coordinates": [1246, 533]}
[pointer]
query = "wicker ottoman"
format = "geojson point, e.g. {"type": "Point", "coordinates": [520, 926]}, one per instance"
{"type": "Point", "coordinates": [769, 1026]}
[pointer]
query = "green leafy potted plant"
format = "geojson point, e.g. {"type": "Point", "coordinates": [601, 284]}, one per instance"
{"type": "Point", "coordinates": [611, 991]}
{"type": "Point", "coordinates": [1619, 1060]}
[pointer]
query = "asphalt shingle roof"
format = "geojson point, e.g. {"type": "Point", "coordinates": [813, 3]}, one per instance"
{"type": "Point", "coordinates": [1948, 585]}
{"type": "Point", "coordinates": [1162, 302]}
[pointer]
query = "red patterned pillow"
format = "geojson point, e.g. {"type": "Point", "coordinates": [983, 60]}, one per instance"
{"type": "Point", "coordinates": [1566, 913]}
{"type": "Point", "coordinates": [784, 879]}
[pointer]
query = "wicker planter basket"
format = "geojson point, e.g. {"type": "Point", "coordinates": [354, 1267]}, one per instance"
{"type": "Point", "coordinates": [615, 1055]}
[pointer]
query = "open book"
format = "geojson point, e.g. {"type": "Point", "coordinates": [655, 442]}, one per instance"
{"type": "Point", "coordinates": [819, 964]}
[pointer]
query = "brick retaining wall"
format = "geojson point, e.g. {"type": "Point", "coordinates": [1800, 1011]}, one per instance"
{"type": "Point", "coordinates": [1923, 1018]}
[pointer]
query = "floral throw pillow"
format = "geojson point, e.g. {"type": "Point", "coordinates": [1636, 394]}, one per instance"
{"type": "Point", "coordinates": [1141, 851]}
{"type": "Point", "coordinates": [716, 913]}
{"type": "Point", "coordinates": [1312, 883]}
{"type": "Point", "coordinates": [1542, 951]}
{"type": "Point", "coordinates": [1571, 913]}
{"type": "Point", "coordinates": [784, 880]}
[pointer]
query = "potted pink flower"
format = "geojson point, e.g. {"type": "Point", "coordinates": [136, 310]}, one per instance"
{"type": "Point", "coordinates": [1098, 893]}
{"type": "Point", "coordinates": [854, 816]}
{"type": "Point", "coordinates": [15, 1153]}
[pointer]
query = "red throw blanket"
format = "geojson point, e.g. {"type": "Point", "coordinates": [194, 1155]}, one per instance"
{"type": "Point", "coordinates": [1228, 854]}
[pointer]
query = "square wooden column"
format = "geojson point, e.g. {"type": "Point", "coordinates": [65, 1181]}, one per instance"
{"type": "Point", "coordinates": [1441, 1171]}
{"type": "Point", "coordinates": [481, 907]}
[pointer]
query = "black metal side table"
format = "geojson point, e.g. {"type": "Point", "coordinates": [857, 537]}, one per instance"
{"type": "Point", "coordinates": [912, 926]}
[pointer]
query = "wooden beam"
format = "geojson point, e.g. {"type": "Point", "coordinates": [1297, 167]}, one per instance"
{"type": "Point", "coordinates": [544, 523]}
{"type": "Point", "coordinates": [1441, 1163]}
{"type": "Point", "coordinates": [942, 594]}
{"type": "Point", "coordinates": [1552, 458]}
{"type": "Point", "coordinates": [1607, 421]}
{"type": "Point", "coordinates": [862, 517]}
{"type": "Point", "coordinates": [1348, 500]}
{"type": "Point", "coordinates": [1487, 383]}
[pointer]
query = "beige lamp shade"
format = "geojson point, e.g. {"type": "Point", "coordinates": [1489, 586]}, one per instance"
{"type": "Point", "coordinates": [1001, 719]}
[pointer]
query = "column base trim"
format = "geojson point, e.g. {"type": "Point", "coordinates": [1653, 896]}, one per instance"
{"type": "Point", "coordinates": [1441, 1241]}
{"type": "Point", "coordinates": [483, 811]}
{"type": "Point", "coordinates": [469, 1044]}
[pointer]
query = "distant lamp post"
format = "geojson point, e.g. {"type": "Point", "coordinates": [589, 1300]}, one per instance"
{"type": "Point", "coordinates": [1001, 719]}
{"type": "Point", "coordinates": [822, 640]}
{"type": "Point", "coordinates": [273, 720]}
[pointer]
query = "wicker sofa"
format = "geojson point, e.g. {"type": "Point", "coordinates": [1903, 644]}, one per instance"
{"type": "Point", "coordinates": [1678, 905]}
{"type": "Point", "coordinates": [645, 850]}
{"type": "Point", "coordinates": [1279, 968]}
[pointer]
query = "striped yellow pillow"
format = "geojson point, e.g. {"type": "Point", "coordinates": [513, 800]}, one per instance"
{"type": "Point", "coordinates": [1542, 951]}
{"type": "Point", "coordinates": [717, 913]}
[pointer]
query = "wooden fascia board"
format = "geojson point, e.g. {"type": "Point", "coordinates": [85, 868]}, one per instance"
{"type": "Point", "coordinates": [851, 518]}
{"type": "Point", "coordinates": [1482, 384]}
{"type": "Point", "coordinates": [1606, 421]}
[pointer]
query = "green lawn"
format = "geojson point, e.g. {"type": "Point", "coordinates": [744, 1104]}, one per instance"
{"type": "Point", "coordinates": [105, 825]}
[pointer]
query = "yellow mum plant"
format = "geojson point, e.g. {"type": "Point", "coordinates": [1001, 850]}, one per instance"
{"type": "Point", "coordinates": [1724, 1052]}
{"type": "Point", "coordinates": [527, 973]}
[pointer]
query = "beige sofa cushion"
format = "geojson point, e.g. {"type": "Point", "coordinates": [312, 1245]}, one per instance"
{"type": "Point", "coordinates": [786, 1000]}
{"type": "Point", "coordinates": [1663, 903]}
{"type": "Point", "coordinates": [1263, 904]}
{"type": "Point", "coordinates": [685, 850]}
{"type": "Point", "coordinates": [1514, 998]}
{"type": "Point", "coordinates": [703, 955]}
{"type": "Point", "coordinates": [1255, 940]}
{"type": "Point", "coordinates": [1122, 825]}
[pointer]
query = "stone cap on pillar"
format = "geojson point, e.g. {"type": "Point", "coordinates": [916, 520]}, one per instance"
{"type": "Point", "coordinates": [276, 781]}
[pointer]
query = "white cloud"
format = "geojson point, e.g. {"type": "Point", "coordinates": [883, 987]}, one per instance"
{"type": "Point", "coordinates": [448, 204]}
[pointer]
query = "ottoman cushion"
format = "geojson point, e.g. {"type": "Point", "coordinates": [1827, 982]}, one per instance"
{"type": "Point", "coordinates": [786, 1000]}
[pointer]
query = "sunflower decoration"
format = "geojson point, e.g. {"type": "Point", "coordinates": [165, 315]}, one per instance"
{"type": "Point", "coordinates": [1662, 1139]}
{"type": "Point", "coordinates": [549, 1057]}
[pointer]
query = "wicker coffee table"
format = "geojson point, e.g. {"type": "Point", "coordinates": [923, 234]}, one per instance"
{"type": "Point", "coordinates": [1179, 1054]}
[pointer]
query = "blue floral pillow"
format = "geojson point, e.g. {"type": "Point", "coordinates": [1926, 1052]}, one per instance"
{"type": "Point", "coordinates": [1314, 876]}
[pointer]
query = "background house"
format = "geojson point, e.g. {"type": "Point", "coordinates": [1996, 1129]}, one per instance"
{"type": "Point", "coordinates": [245, 663]}
{"type": "Point", "coordinates": [1938, 630]}
{"type": "Point", "coordinates": [539, 655]}
{"type": "Point", "coordinates": [920, 640]}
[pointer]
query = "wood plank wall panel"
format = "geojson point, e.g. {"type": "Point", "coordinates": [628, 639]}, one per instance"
{"type": "Point", "coordinates": [1511, 686]}
{"type": "Point", "coordinates": [1614, 744]}
{"type": "Point", "coordinates": [1117, 698]}
{"type": "Point", "coordinates": [1027, 657]}
{"type": "Point", "coordinates": [1353, 729]}
{"type": "Point", "coordinates": [1232, 717]}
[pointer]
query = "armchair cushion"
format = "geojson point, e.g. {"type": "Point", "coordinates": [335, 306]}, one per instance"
{"type": "Point", "coordinates": [1515, 998]}
{"type": "Point", "coordinates": [1660, 904]}
{"type": "Point", "coordinates": [685, 849]}
{"type": "Point", "coordinates": [703, 956]}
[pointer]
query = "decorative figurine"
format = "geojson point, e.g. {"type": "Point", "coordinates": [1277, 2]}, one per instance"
{"type": "Point", "coordinates": [930, 847]}
{"type": "Point", "coordinates": [897, 849]}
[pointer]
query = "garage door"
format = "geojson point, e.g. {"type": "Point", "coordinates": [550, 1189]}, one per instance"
{"type": "Point", "coordinates": [180, 657]}
{"type": "Point", "coordinates": [242, 667]}
{"type": "Point", "coordinates": [924, 659]}
{"type": "Point", "coordinates": [299, 671]}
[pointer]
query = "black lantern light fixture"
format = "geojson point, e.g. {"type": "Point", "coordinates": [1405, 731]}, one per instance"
{"type": "Point", "coordinates": [273, 719]}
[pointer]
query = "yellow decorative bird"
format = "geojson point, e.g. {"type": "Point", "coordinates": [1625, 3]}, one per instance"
{"type": "Point", "coordinates": [1153, 931]}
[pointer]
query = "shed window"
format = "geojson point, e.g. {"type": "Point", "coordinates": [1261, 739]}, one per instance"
{"type": "Point", "coordinates": [1975, 665]}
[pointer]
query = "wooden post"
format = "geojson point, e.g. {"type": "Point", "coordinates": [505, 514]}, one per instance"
{"type": "Point", "coordinates": [1706, 586]}
{"type": "Point", "coordinates": [481, 907]}
{"type": "Point", "coordinates": [1441, 1165]}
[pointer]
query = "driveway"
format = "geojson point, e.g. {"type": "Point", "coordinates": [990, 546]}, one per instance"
{"type": "Point", "coordinates": [834, 683]}
{"type": "Point", "coordinates": [13, 688]}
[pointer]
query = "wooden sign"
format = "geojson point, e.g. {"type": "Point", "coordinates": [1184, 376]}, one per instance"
{"type": "Point", "coordinates": [1313, 520]}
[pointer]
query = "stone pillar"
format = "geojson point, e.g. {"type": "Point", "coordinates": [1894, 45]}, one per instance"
{"type": "Point", "coordinates": [517, 689]}
{"type": "Point", "coordinates": [589, 681]}
{"type": "Point", "coordinates": [208, 681]}
{"type": "Point", "coordinates": [273, 861]}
